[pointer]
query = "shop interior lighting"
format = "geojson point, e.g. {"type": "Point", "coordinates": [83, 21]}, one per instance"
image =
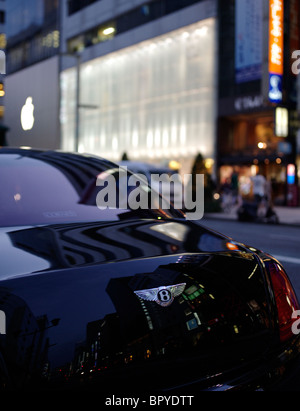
{"type": "Point", "coordinates": [108, 30]}
{"type": "Point", "coordinates": [281, 122]}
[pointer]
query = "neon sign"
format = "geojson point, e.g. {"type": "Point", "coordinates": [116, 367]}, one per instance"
{"type": "Point", "coordinates": [276, 13]}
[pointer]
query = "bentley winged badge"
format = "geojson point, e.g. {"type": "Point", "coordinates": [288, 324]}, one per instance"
{"type": "Point", "coordinates": [163, 296]}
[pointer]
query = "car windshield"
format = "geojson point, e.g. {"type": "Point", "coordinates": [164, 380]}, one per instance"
{"type": "Point", "coordinates": [53, 187]}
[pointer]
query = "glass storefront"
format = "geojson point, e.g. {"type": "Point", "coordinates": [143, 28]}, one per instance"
{"type": "Point", "coordinates": [154, 100]}
{"type": "Point", "coordinates": [250, 135]}
{"type": "Point", "coordinates": [248, 147]}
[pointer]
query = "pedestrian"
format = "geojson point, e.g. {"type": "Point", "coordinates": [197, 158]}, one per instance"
{"type": "Point", "coordinates": [259, 183]}
{"type": "Point", "coordinates": [226, 195]}
{"type": "Point", "coordinates": [235, 186]}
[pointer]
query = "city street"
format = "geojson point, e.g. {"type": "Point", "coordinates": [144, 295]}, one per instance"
{"type": "Point", "coordinates": [104, 286]}
{"type": "Point", "coordinates": [282, 241]}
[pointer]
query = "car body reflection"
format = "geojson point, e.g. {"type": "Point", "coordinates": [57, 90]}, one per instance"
{"type": "Point", "coordinates": [73, 281]}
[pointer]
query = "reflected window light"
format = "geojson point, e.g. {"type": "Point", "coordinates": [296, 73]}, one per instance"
{"type": "Point", "coordinates": [108, 30]}
{"type": "Point", "coordinates": [191, 324]}
{"type": "Point", "coordinates": [56, 36]}
{"type": "Point", "coordinates": [2, 41]}
{"type": "Point", "coordinates": [172, 230]}
{"type": "Point", "coordinates": [251, 275]}
{"type": "Point", "coordinates": [197, 318]}
{"type": "Point", "coordinates": [253, 249]}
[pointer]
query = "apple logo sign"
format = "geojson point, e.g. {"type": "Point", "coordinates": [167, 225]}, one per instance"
{"type": "Point", "coordinates": [27, 118]}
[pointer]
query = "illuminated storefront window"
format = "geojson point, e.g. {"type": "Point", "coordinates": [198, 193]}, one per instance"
{"type": "Point", "coordinates": [276, 52]}
{"type": "Point", "coordinates": [154, 100]}
{"type": "Point", "coordinates": [101, 33]}
{"type": "Point", "coordinates": [2, 41]}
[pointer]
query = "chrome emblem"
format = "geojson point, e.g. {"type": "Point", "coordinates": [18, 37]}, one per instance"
{"type": "Point", "coordinates": [164, 296]}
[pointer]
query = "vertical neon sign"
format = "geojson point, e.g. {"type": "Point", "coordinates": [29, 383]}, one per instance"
{"type": "Point", "coordinates": [276, 13]}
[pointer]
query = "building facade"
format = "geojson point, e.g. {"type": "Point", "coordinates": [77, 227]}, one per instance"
{"type": "Point", "coordinates": [148, 79]}
{"type": "Point", "coordinates": [257, 100]}
{"type": "Point", "coordinates": [160, 81]}
{"type": "Point", "coordinates": [32, 79]}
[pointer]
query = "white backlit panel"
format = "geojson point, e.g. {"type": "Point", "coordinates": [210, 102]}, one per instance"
{"type": "Point", "coordinates": [156, 99]}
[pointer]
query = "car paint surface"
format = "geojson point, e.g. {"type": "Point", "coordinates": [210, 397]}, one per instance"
{"type": "Point", "coordinates": [75, 318]}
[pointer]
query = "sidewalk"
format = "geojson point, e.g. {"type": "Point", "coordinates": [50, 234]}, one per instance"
{"type": "Point", "coordinates": [286, 215]}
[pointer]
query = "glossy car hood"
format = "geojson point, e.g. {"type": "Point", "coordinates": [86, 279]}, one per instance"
{"type": "Point", "coordinates": [96, 312]}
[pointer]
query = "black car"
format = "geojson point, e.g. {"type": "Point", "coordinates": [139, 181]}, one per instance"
{"type": "Point", "coordinates": [119, 300]}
